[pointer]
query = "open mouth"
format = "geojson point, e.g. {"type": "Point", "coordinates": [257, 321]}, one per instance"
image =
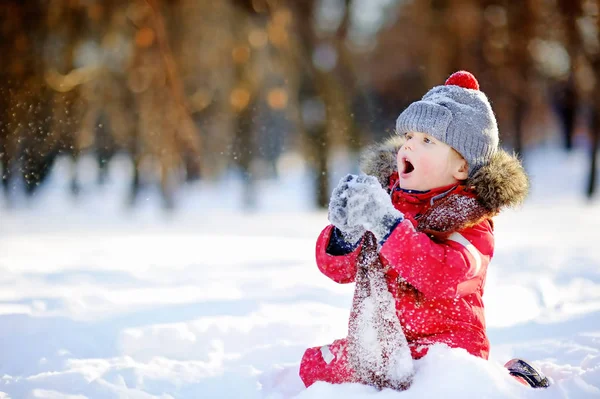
{"type": "Point", "coordinates": [408, 167]}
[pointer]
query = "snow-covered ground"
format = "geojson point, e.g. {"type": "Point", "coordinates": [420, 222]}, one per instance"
{"type": "Point", "coordinates": [211, 302]}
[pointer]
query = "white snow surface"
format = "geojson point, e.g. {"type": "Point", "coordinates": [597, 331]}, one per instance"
{"type": "Point", "coordinates": [213, 302]}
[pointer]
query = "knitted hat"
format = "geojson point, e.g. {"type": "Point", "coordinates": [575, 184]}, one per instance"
{"type": "Point", "coordinates": [459, 115]}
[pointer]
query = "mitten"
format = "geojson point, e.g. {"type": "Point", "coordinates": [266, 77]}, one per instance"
{"type": "Point", "coordinates": [370, 206]}
{"type": "Point", "coordinates": [338, 214]}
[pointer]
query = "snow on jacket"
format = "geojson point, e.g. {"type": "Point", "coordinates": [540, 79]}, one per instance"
{"type": "Point", "coordinates": [437, 258]}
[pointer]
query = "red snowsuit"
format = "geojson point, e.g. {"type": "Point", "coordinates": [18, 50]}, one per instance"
{"type": "Point", "coordinates": [437, 282]}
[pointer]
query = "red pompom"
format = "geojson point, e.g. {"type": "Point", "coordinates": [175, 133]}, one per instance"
{"type": "Point", "coordinates": [463, 79]}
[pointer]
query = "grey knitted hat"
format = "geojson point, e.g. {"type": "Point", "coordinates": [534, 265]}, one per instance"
{"type": "Point", "coordinates": [459, 115]}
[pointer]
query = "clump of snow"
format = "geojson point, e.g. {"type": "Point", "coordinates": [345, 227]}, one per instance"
{"type": "Point", "coordinates": [377, 347]}
{"type": "Point", "coordinates": [455, 374]}
{"type": "Point", "coordinates": [281, 382]}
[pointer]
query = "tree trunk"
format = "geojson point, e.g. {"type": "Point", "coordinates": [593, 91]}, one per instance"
{"type": "Point", "coordinates": [595, 128]}
{"type": "Point", "coordinates": [521, 24]}
{"type": "Point", "coordinates": [570, 10]}
{"type": "Point", "coordinates": [568, 112]}
{"type": "Point", "coordinates": [315, 87]}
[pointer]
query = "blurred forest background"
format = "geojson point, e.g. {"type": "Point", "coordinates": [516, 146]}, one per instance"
{"type": "Point", "coordinates": [191, 89]}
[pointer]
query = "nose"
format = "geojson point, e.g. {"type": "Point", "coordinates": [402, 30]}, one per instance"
{"type": "Point", "coordinates": [407, 145]}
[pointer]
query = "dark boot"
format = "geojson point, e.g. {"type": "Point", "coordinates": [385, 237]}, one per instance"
{"type": "Point", "coordinates": [526, 373]}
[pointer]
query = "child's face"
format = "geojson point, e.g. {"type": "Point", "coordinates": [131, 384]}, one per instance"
{"type": "Point", "coordinates": [425, 163]}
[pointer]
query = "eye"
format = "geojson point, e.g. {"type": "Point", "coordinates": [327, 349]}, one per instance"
{"type": "Point", "coordinates": [427, 140]}
{"type": "Point", "coordinates": [408, 136]}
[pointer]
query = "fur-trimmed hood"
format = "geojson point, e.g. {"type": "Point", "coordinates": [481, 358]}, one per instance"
{"type": "Point", "coordinates": [501, 184]}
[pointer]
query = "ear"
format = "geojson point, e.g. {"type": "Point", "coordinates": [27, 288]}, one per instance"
{"type": "Point", "coordinates": [461, 171]}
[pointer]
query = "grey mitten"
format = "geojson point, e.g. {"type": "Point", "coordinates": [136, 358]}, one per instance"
{"type": "Point", "coordinates": [338, 214]}
{"type": "Point", "coordinates": [370, 206]}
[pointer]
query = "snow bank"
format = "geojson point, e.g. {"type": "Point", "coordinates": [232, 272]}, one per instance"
{"type": "Point", "coordinates": [211, 302]}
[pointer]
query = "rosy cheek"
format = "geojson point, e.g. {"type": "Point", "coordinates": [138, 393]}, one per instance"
{"type": "Point", "coordinates": [427, 168]}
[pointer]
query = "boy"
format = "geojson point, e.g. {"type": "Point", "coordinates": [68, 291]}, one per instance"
{"type": "Point", "coordinates": [429, 200]}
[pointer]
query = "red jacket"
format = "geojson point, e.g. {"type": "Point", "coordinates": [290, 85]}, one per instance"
{"type": "Point", "coordinates": [437, 282]}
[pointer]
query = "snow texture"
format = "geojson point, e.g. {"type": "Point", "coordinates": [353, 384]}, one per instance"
{"type": "Point", "coordinates": [377, 348]}
{"type": "Point", "coordinates": [97, 301]}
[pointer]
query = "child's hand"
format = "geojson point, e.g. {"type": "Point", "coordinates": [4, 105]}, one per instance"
{"type": "Point", "coordinates": [370, 206]}
{"type": "Point", "coordinates": [338, 214]}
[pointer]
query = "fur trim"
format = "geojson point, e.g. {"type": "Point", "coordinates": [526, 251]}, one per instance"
{"type": "Point", "coordinates": [502, 183]}
{"type": "Point", "coordinates": [379, 160]}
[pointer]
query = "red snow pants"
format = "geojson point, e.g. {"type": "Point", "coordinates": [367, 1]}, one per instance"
{"type": "Point", "coordinates": [327, 363]}
{"type": "Point", "coordinates": [330, 363]}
